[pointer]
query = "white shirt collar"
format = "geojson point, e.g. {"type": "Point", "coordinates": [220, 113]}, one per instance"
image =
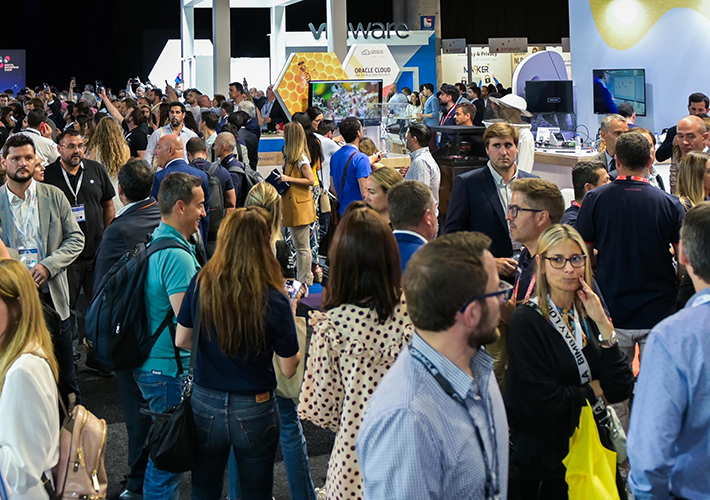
{"type": "Point", "coordinates": [412, 233]}
{"type": "Point", "coordinates": [498, 179]}
{"type": "Point", "coordinates": [13, 198]}
{"type": "Point", "coordinates": [174, 159]}
{"type": "Point", "coordinates": [126, 207]}
{"type": "Point", "coordinates": [419, 152]}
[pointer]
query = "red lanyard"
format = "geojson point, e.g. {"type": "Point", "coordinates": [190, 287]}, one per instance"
{"type": "Point", "coordinates": [452, 110]}
{"type": "Point", "coordinates": [528, 293]}
{"type": "Point", "coordinates": [632, 178]}
{"type": "Point", "coordinates": [575, 203]}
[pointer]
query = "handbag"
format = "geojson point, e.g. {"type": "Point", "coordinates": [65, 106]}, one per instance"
{"type": "Point", "coordinates": [172, 439]}
{"type": "Point", "coordinates": [290, 388]}
{"type": "Point", "coordinates": [335, 203]}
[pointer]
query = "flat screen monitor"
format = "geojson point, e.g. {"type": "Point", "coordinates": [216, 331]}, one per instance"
{"type": "Point", "coordinates": [615, 86]}
{"type": "Point", "coordinates": [549, 96]}
{"type": "Point", "coordinates": [342, 98]}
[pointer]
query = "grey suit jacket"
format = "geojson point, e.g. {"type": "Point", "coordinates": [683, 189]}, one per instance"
{"type": "Point", "coordinates": [61, 234]}
{"type": "Point", "coordinates": [600, 158]}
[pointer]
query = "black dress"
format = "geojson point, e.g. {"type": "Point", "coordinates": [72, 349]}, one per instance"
{"type": "Point", "coordinates": [543, 395]}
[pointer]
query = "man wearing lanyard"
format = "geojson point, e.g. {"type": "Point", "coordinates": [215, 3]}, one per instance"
{"type": "Point", "coordinates": [448, 97]}
{"type": "Point", "coordinates": [586, 175]}
{"type": "Point", "coordinates": [436, 426]}
{"type": "Point", "coordinates": [88, 189]}
{"type": "Point", "coordinates": [632, 226]}
{"type": "Point", "coordinates": [37, 221]}
{"type": "Point", "coordinates": [670, 423]}
{"type": "Point", "coordinates": [272, 112]}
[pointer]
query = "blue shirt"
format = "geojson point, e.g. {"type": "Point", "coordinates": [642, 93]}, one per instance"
{"type": "Point", "coordinates": [359, 168]}
{"type": "Point", "coordinates": [169, 272]}
{"type": "Point", "coordinates": [417, 442]}
{"type": "Point", "coordinates": [431, 107]}
{"type": "Point", "coordinates": [669, 432]}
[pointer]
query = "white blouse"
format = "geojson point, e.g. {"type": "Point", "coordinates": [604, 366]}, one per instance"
{"type": "Point", "coordinates": [29, 427]}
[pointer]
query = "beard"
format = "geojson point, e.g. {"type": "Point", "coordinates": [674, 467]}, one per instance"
{"type": "Point", "coordinates": [487, 330]}
{"type": "Point", "coordinates": [175, 122]}
{"type": "Point", "coordinates": [21, 176]}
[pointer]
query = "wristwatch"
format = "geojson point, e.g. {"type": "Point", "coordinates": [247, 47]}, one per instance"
{"type": "Point", "coordinates": [611, 342]}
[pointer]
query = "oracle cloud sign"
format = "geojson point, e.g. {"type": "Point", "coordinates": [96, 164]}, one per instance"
{"type": "Point", "coordinates": [372, 61]}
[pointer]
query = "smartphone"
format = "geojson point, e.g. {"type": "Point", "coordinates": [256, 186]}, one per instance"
{"type": "Point", "coordinates": [98, 86]}
{"type": "Point", "coordinates": [73, 80]}
{"type": "Point", "coordinates": [45, 86]}
{"type": "Point", "coordinates": [292, 288]}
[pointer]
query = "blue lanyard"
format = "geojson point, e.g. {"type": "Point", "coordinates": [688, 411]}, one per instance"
{"type": "Point", "coordinates": [492, 479]}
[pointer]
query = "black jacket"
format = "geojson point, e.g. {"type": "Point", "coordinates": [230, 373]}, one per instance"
{"type": "Point", "coordinates": [125, 232]}
{"type": "Point", "coordinates": [665, 150]}
{"type": "Point", "coordinates": [252, 142]}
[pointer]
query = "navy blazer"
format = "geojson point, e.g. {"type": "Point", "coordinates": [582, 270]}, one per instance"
{"type": "Point", "coordinates": [408, 244]}
{"type": "Point", "coordinates": [132, 227]}
{"type": "Point", "coordinates": [181, 165]}
{"type": "Point", "coordinates": [475, 206]}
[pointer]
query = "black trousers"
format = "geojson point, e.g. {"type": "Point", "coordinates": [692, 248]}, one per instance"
{"type": "Point", "coordinates": [61, 332]}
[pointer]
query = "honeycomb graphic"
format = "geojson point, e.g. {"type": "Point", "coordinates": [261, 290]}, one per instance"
{"type": "Point", "coordinates": [303, 67]}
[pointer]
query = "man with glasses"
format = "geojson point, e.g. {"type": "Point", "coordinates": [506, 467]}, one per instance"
{"type": "Point", "coordinates": [87, 187]}
{"type": "Point", "coordinates": [436, 425]}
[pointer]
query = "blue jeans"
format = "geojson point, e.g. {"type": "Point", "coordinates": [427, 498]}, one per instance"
{"type": "Point", "coordinates": [293, 445]}
{"type": "Point", "coordinates": [161, 392]}
{"type": "Point", "coordinates": [137, 425]}
{"type": "Point", "coordinates": [238, 423]}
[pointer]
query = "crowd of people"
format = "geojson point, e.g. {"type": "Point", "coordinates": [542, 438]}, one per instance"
{"type": "Point", "coordinates": [440, 358]}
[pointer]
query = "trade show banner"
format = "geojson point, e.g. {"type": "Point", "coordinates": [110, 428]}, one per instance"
{"type": "Point", "coordinates": [371, 62]}
{"type": "Point", "coordinates": [12, 70]}
{"type": "Point", "coordinates": [300, 69]}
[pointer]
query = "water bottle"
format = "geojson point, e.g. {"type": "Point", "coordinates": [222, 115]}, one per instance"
{"type": "Point", "coordinates": [577, 145]}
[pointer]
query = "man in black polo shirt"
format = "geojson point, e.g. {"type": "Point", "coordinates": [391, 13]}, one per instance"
{"type": "Point", "coordinates": [88, 188]}
{"type": "Point", "coordinates": [632, 225]}
{"type": "Point", "coordinates": [586, 175]}
{"type": "Point", "coordinates": [136, 137]}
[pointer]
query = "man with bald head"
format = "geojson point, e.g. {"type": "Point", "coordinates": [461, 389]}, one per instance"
{"type": "Point", "coordinates": [169, 154]}
{"type": "Point", "coordinates": [224, 147]}
{"type": "Point", "coordinates": [691, 134]}
{"type": "Point", "coordinates": [175, 127]}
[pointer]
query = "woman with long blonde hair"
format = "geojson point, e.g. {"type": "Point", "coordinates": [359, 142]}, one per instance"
{"type": "Point", "coordinates": [108, 147]}
{"type": "Point", "coordinates": [378, 184]}
{"type": "Point", "coordinates": [245, 318]}
{"type": "Point", "coordinates": [694, 179]}
{"type": "Point", "coordinates": [29, 415]}
{"type": "Point", "coordinates": [298, 208]}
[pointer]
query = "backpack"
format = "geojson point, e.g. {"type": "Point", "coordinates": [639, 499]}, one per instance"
{"type": "Point", "coordinates": [251, 178]}
{"type": "Point", "coordinates": [216, 199]}
{"type": "Point", "coordinates": [116, 321]}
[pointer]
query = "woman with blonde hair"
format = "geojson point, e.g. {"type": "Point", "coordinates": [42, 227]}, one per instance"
{"type": "Point", "coordinates": [29, 415]}
{"type": "Point", "coordinates": [298, 208]}
{"type": "Point", "coordinates": [694, 179]}
{"type": "Point", "coordinates": [379, 182]}
{"type": "Point", "coordinates": [108, 147]}
{"type": "Point", "coordinates": [368, 147]}
{"type": "Point", "coordinates": [562, 353]}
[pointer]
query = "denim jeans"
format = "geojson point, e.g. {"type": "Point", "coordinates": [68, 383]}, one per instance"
{"type": "Point", "coordinates": [293, 446]}
{"type": "Point", "coordinates": [137, 425]}
{"type": "Point", "coordinates": [227, 422]}
{"type": "Point", "coordinates": [161, 392]}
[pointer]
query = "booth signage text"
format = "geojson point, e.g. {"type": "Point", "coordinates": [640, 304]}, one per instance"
{"type": "Point", "coordinates": [378, 31]}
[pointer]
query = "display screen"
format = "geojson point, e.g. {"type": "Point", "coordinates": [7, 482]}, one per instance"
{"type": "Point", "coordinates": [342, 98]}
{"type": "Point", "coordinates": [615, 86]}
{"type": "Point", "coordinates": [549, 96]}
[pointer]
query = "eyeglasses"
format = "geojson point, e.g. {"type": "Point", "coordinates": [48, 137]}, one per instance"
{"type": "Point", "coordinates": [559, 262]}
{"type": "Point", "coordinates": [515, 209]}
{"type": "Point", "coordinates": [72, 147]}
{"type": "Point", "coordinates": [505, 290]}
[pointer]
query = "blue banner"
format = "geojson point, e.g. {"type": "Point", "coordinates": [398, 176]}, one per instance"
{"type": "Point", "coordinates": [12, 70]}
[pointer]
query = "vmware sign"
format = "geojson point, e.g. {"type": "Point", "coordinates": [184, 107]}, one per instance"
{"type": "Point", "coordinates": [378, 31]}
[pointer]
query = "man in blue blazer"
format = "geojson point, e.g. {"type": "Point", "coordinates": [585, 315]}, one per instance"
{"type": "Point", "coordinates": [133, 224]}
{"type": "Point", "coordinates": [412, 211]}
{"type": "Point", "coordinates": [169, 154]}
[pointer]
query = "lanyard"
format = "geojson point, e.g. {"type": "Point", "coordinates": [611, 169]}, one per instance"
{"type": "Point", "coordinates": [577, 204]}
{"type": "Point", "coordinates": [78, 185]}
{"type": "Point", "coordinates": [492, 489]}
{"type": "Point", "coordinates": [632, 178]}
{"type": "Point", "coordinates": [32, 209]}
{"type": "Point", "coordinates": [531, 287]}
{"type": "Point", "coordinates": [452, 110]}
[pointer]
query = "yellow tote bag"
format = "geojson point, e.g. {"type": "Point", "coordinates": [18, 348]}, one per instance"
{"type": "Point", "coordinates": [290, 388]}
{"type": "Point", "coordinates": [591, 468]}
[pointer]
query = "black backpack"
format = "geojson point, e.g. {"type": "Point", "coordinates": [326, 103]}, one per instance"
{"type": "Point", "coordinates": [216, 200]}
{"type": "Point", "coordinates": [116, 322]}
{"type": "Point", "coordinates": [250, 177]}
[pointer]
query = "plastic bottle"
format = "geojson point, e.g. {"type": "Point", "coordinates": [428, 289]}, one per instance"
{"type": "Point", "coordinates": [578, 145]}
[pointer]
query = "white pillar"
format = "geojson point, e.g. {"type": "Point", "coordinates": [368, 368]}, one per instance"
{"type": "Point", "coordinates": [187, 37]}
{"type": "Point", "coordinates": [337, 19]}
{"type": "Point", "coordinates": [221, 45]}
{"type": "Point", "coordinates": [277, 41]}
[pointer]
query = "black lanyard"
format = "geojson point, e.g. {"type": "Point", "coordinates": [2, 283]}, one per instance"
{"type": "Point", "coordinates": [492, 480]}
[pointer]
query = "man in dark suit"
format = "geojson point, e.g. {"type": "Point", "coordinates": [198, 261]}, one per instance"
{"type": "Point", "coordinates": [475, 96]}
{"type": "Point", "coordinates": [412, 211]}
{"type": "Point", "coordinates": [698, 104]}
{"type": "Point", "coordinates": [134, 223]}
{"type": "Point", "coordinates": [271, 111]}
{"type": "Point", "coordinates": [169, 154]}
{"type": "Point", "coordinates": [479, 202]}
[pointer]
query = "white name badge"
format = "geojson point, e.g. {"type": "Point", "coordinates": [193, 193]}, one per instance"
{"type": "Point", "coordinates": [79, 213]}
{"type": "Point", "coordinates": [28, 256]}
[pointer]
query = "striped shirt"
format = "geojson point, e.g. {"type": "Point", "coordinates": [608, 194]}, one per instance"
{"type": "Point", "coordinates": [417, 442]}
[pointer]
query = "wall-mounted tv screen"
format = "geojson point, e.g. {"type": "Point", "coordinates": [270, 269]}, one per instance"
{"type": "Point", "coordinates": [342, 98]}
{"type": "Point", "coordinates": [615, 86]}
{"type": "Point", "coordinates": [549, 96]}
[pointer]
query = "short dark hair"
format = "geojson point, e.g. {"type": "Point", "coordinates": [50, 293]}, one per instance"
{"type": "Point", "coordinates": [358, 275]}
{"type": "Point", "coordinates": [421, 132]}
{"type": "Point", "coordinates": [157, 91]}
{"type": "Point", "coordinates": [442, 276]}
{"type": "Point", "coordinates": [240, 118]}
{"type": "Point", "coordinates": [406, 91]}
{"type": "Point", "coordinates": [407, 202]}
{"type": "Point", "coordinates": [450, 90]}
{"type": "Point", "coordinates": [475, 89]}
{"type": "Point", "coordinates": [36, 117]}
{"type": "Point", "coordinates": [468, 109]}
{"type": "Point", "coordinates": [178, 104]}
{"type": "Point", "coordinates": [460, 86]}
{"type": "Point", "coordinates": [698, 97]}
{"type": "Point", "coordinates": [541, 195]}
{"type": "Point", "coordinates": [219, 98]}
{"type": "Point", "coordinates": [175, 187]}
{"type": "Point", "coordinates": [193, 90]}
{"type": "Point", "coordinates": [228, 106]}
{"type": "Point", "coordinates": [82, 108]}
{"type": "Point", "coordinates": [130, 103]}
{"type": "Point", "coordinates": [17, 141]}
{"type": "Point", "coordinates": [137, 116]}
{"type": "Point", "coordinates": [349, 128]}
{"type": "Point", "coordinates": [70, 132]}
{"type": "Point", "coordinates": [136, 179]}
{"type": "Point", "coordinates": [210, 119]}
{"type": "Point", "coordinates": [626, 109]}
{"type": "Point", "coordinates": [633, 151]}
{"type": "Point", "coordinates": [585, 172]}
{"type": "Point", "coordinates": [36, 103]}
{"type": "Point", "coordinates": [196, 145]}
{"type": "Point", "coordinates": [3, 94]}
{"type": "Point", "coordinates": [326, 126]}
{"type": "Point", "coordinates": [428, 86]}
{"type": "Point", "coordinates": [238, 86]}
{"type": "Point", "coordinates": [695, 235]}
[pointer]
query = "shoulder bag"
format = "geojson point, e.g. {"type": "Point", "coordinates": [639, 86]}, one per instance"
{"type": "Point", "coordinates": [335, 203]}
